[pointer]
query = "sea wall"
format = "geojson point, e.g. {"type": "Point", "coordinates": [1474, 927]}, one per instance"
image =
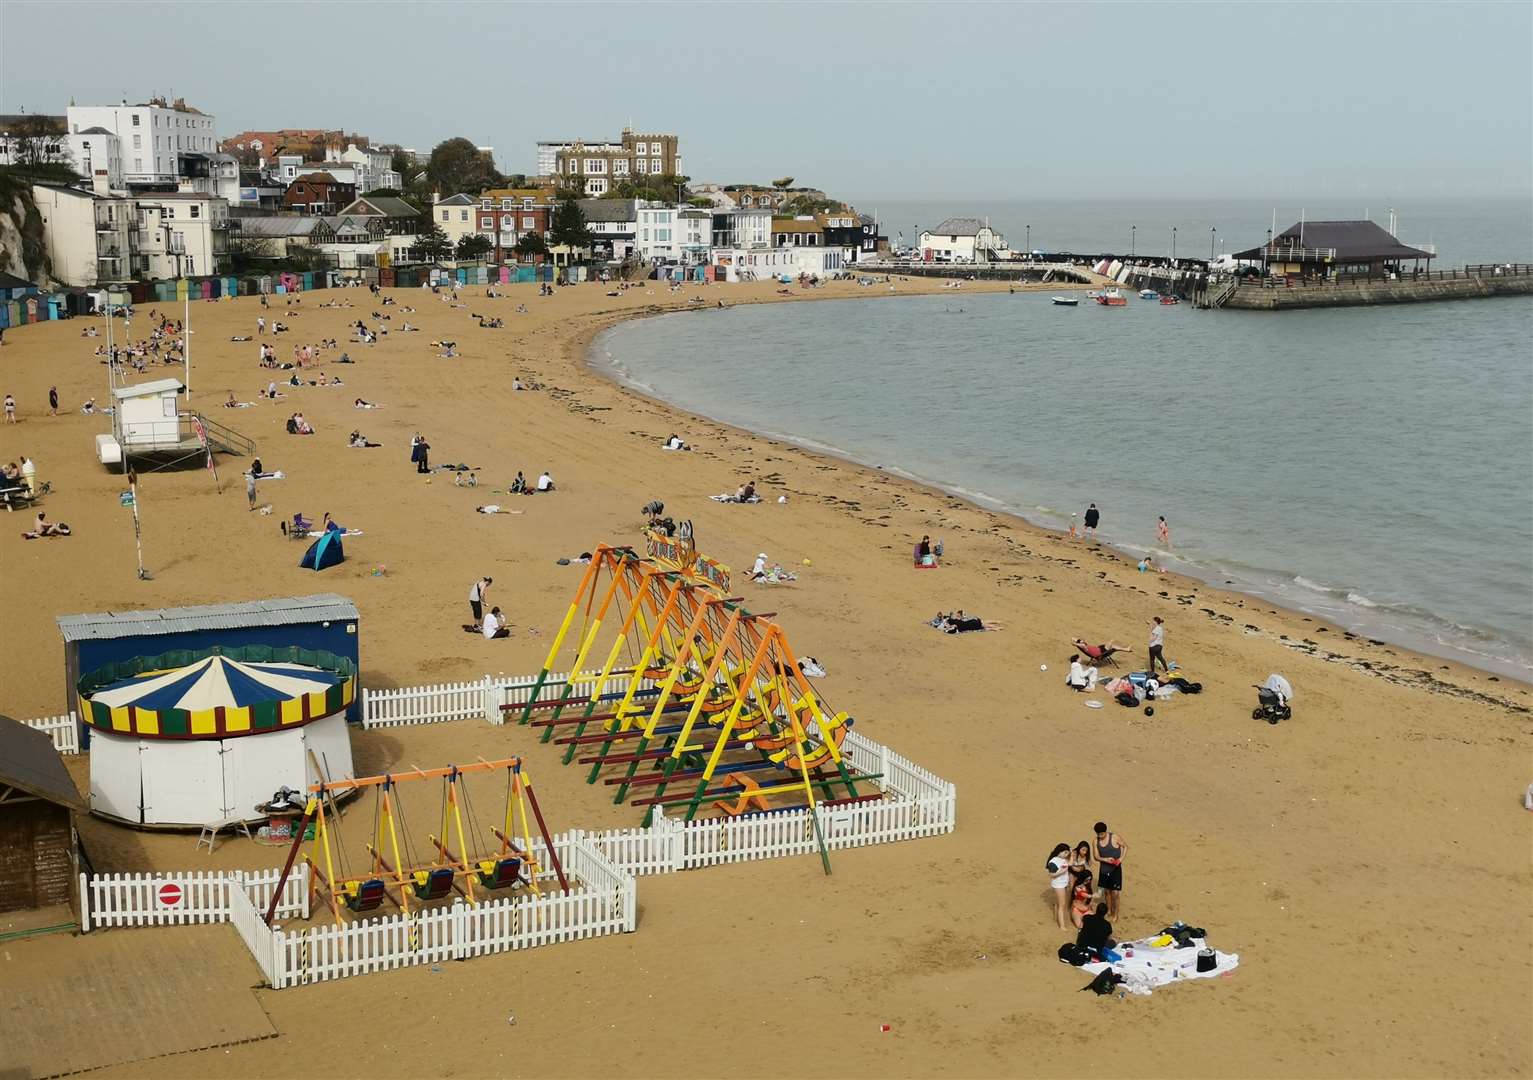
{"type": "Point", "coordinates": [1358, 293]}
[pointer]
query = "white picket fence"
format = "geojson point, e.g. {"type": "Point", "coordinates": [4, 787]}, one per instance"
{"type": "Point", "coordinates": [63, 730]}
{"type": "Point", "coordinates": [602, 900]}
{"type": "Point", "coordinates": [479, 699]}
{"type": "Point", "coordinates": [193, 896]}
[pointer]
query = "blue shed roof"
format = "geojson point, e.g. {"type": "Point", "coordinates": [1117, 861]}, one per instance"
{"type": "Point", "coordinates": [321, 607]}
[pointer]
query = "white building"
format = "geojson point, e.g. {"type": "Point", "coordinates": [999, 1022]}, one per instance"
{"type": "Point", "coordinates": [694, 235]}
{"type": "Point", "coordinates": [819, 261]}
{"type": "Point", "coordinates": [455, 215]}
{"type": "Point", "coordinates": [89, 235]}
{"type": "Point", "coordinates": [374, 169]}
{"type": "Point", "coordinates": [155, 136]}
{"type": "Point", "coordinates": [963, 239]}
{"type": "Point", "coordinates": [97, 150]}
{"type": "Point", "coordinates": [753, 264]}
{"type": "Point", "coordinates": [742, 228]}
{"type": "Point", "coordinates": [657, 239]}
{"type": "Point", "coordinates": [181, 234]}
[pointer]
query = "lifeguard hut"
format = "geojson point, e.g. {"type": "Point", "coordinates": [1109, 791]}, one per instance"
{"type": "Point", "coordinates": [149, 422]}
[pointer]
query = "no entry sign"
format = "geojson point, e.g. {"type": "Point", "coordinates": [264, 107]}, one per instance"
{"type": "Point", "coordinates": [169, 894]}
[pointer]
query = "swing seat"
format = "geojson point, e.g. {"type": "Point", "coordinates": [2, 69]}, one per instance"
{"type": "Point", "coordinates": [365, 895]}
{"type": "Point", "coordinates": [433, 885]}
{"type": "Point", "coordinates": [500, 874]}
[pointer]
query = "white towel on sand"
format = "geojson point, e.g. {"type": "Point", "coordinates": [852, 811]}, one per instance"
{"type": "Point", "coordinates": [1152, 967]}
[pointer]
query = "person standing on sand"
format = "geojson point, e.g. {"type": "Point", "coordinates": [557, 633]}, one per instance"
{"type": "Point", "coordinates": [476, 595]}
{"type": "Point", "coordinates": [1093, 516]}
{"type": "Point", "coordinates": [260, 324]}
{"type": "Point", "coordinates": [1163, 531]}
{"type": "Point", "coordinates": [10, 409]}
{"type": "Point", "coordinates": [1157, 640]}
{"type": "Point", "coordinates": [1058, 869]}
{"type": "Point", "coordinates": [1110, 849]}
{"type": "Point", "coordinates": [53, 401]}
{"type": "Point", "coordinates": [1073, 533]}
{"type": "Point", "coordinates": [250, 487]}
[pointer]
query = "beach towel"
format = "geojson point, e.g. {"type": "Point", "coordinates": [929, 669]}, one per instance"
{"type": "Point", "coordinates": [344, 532]}
{"type": "Point", "coordinates": [729, 497]}
{"type": "Point", "coordinates": [1154, 966]}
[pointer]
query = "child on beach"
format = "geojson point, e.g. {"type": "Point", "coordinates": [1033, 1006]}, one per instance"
{"type": "Point", "coordinates": [1163, 532]}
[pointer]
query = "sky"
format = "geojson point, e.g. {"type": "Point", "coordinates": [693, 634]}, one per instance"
{"type": "Point", "coordinates": [866, 101]}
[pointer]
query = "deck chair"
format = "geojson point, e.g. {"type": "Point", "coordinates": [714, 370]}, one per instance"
{"type": "Point", "coordinates": [434, 884]}
{"type": "Point", "coordinates": [298, 528]}
{"type": "Point", "coordinates": [500, 874]}
{"type": "Point", "coordinates": [1097, 654]}
{"type": "Point", "coordinates": [365, 895]}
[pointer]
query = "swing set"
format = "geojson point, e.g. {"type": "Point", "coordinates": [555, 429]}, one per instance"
{"type": "Point", "coordinates": [459, 863]}
{"type": "Point", "coordinates": [713, 700]}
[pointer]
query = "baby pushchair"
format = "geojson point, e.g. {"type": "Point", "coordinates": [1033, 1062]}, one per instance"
{"type": "Point", "coordinates": [1272, 699]}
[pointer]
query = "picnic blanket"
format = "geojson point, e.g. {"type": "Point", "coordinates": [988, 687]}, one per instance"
{"type": "Point", "coordinates": [729, 497]}
{"type": "Point", "coordinates": [1154, 965]}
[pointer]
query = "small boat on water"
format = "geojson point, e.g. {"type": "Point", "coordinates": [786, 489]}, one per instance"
{"type": "Point", "coordinates": [1167, 301]}
{"type": "Point", "coordinates": [1066, 301]}
{"type": "Point", "coordinates": [1148, 294]}
{"type": "Point", "coordinates": [1111, 298]}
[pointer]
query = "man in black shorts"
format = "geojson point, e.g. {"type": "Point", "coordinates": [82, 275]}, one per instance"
{"type": "Point", "coordinates": [1109, 850]}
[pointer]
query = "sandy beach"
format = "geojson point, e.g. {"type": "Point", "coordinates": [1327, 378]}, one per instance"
{"type": "Point", "coordinates": [1368, 860]}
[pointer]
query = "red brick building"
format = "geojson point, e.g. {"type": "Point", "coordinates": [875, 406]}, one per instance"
{"type": "Point", "coordinates": [505, 214]}
{"type": "Point", "coordinates": [318, 193]}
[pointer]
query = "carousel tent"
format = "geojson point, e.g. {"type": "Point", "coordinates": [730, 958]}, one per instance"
{"type": "Point", "coordinates": [184, 740]}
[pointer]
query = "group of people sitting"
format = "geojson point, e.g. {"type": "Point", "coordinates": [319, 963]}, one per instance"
{"type": "Point", "coordinates": [520, 486]}
{"type": "Point", "coordinates": [298, 425]}
{"type": "Point", "coordinates": [927, 554]}
{"type": "Point", "coordinates": [745, 493]}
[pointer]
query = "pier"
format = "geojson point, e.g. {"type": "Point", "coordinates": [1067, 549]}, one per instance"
{"type": "Point", "coordinates": [1285, 294]}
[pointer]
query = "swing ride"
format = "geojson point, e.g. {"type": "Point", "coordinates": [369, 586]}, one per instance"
{"type": "Point", "coordinates": [458, 865]}
{"type": "Point", "coordinates": [713, 701]}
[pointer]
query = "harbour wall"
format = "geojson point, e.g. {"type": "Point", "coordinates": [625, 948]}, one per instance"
{"type": "Point", "coordinates": [1360, 293]}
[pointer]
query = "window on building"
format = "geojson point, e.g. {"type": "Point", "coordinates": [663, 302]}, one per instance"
{"type": "Point", "coordinates": [486, 222]}
{"type": "Point", "coordinates": [526, 202]}
{"type": "Point", "coordinates": [643, 166]}
{"type": "Point", "coordinates": [446, 215]}
{"type": "Point", "coordinates": [620, 167]}
{"type": "Point", "coordinates": [506, 204]}
{"type": "Point", "coordinates": [196, 210]}
{"type": "Point", "coordinates": [654, 149]}
{"type": "Point", "coordinates": [168, 213]}
{"type": "Point", "coordinates": [462, 215]}
{"type": "Point", "coordinates": [529, 222]}
{"type": "Point", "coordinates": [642, 149]}
{"type": "Point", "coordinates": [485, 204]}
{"type": "Point", "coordinates": [663, 236]}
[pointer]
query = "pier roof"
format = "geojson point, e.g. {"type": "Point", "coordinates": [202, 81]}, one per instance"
{"type": "Point", "coordinates": [1352, 240]}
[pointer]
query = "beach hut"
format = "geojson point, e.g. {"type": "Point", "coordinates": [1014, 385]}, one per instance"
{"type": "Point", "coordinates": [182, 739]}
{"type": "Point", "coordinates": [39, 853]}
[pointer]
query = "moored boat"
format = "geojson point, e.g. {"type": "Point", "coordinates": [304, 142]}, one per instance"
{"type": "Point", "coordinates": [1111, 298]}
{"type": "Point", "coordinates": [1066, 301]}
{"type": "Point", "coordinates": [1167, 301]}
{"type": "Point", "coordinates": [1148, 294]}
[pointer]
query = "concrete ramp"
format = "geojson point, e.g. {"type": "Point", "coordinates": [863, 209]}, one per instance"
{"type": "Point", "coordinates": [112, 997]}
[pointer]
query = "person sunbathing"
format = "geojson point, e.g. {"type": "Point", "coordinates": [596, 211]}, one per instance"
{"type": "Point", "coordinates": [358, 441]}
{"type": "Point", "coordinates": [959, 623]}
{"type": "Point", "coordinates": [675, 443]}
{"type": "Point", "coordinates": [746, 492]}
{"type": "Point", "coordinates": [1097, 652]}
{"type": "Point", "coordinates": [43, 527]}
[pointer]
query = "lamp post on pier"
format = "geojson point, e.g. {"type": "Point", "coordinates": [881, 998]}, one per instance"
{"type": "Point", "coordinates": [1211, 231]}
{"type": "Point", "coordinates": [1173, 244]}
{"type": "Point", "coordinates": [1133, 238]}
{"type": "Point", "coordinates": [1029, 243]}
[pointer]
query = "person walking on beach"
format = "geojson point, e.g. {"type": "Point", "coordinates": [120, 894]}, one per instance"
{"type": "Point", "coordinates": [1163, 531]}
{"type": "Point", "coordinates": [1093, 516]}
{"type": "Point", "coordinates": [1110, 848]}
{"type": "Point", "coordinates": [420, 450]}
{"type": "Point", "coordinates": [250, 488]}
{"type": "Point", "coordinates": [1157, 640]}
{"type": "Point", "coordinates": [53, 401]}
{"type": "Point", "coordinates": [10, 409]}
{"type": "Point", "coordinates": [1074, 533]}
{"type": "Point", "coordinates": [260, 324]}
{"type": "Point", "coordinates": [476, 595]}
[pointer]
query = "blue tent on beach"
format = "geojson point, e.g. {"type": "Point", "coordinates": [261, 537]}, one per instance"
{"type": "Point", "coordinates": [326, 551]}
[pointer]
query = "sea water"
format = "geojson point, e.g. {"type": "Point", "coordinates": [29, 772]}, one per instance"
{"type": "Point", "coordinates": [1368, 465]}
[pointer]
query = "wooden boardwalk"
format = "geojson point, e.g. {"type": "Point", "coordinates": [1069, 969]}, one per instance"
{"type": "Point", "coordinates": [69, 1003]}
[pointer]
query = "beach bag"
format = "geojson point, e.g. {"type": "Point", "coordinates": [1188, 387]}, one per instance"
{"type": "Point", "coordinates": [1207, 961]}
{"type": "Point", "coordinates": [1127, 700]}
{"type": "Point", "coordinates": [1073, 954]}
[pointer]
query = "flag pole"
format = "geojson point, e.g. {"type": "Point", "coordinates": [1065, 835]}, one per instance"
{"type": "Point", "coordinates": [138, 541]}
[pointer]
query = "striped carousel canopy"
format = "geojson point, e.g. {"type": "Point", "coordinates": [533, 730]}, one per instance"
{"type": "Point", "coordinates": [218, 696]}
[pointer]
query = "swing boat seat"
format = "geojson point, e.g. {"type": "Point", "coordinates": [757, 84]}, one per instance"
{"type": "Point", "coordinates": [500, 873]}
{"type": "Point", "coordinates": [433, 884]}
{"type": "Point", "coordinates": [366, 895]}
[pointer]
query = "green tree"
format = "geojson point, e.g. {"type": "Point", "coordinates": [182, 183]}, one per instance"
{"type": "Point", "coordinates": [474, 246]}
{"type": "Point", "coordinates": [530, 244]}
{"type": "Point", "coordinates": [457, 165]}
{"type": "Point", "coordinates": [569, 225]}
{"type": "Point", "coordinates": [431, 243]}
